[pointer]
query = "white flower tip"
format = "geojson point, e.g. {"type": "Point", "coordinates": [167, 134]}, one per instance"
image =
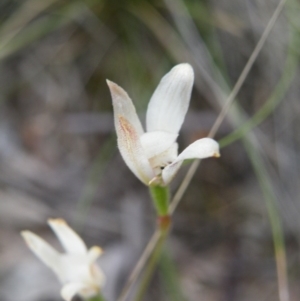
{"type": "Point", "coordinates": [212, 148]}
{"type": "Point", "coordinates": [57, 221]}
{"type": "Point", "coordinates": [32, 240]}
{"type": "Point", "coordinates": [185, 72]}
{"type": "Point", "coordinates": [24, 232]}
{"type": "Point", "coordinates": [27, 235]}
{"type": "Point", "coordinates": [95, 252]}
{"type": "Point", "coordinates": [70, 240]}
{"type": "Point", "coordinates": [115, 90]}
{"type": "Point", "coordinates": [217, 155]}
{"type": "Point", "coordinates": [169, 103]}
{"type": "Point", "coordinates": [122, 102]}
{"type": "Point", "coordinates": [97, 249]}
{"type": "Point", "coordinates": [184, 68]}
{"type": "Point", "coordinates": [111, 84]}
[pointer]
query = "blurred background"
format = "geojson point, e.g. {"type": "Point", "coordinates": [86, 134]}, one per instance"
{"type": "Point", "coordinates": [58, 155]}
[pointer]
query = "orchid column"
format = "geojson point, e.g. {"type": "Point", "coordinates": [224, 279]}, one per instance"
{"type": "Point", "coordinates": [153, 155]}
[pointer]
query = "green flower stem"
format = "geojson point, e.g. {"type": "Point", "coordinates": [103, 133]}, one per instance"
{"type": "Point", "coordinates": [160, 197]}
{"type": "Point", "coordinates": [96, 298]}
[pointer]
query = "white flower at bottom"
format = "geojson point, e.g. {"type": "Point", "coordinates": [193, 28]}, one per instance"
{"type": "Point", "coordinates": [152, 155]}
{"type": "Point", "coordinates": [76, 269]}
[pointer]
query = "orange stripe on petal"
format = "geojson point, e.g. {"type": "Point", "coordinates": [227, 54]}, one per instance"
{"type": "Point", "coordinates": [132, 151]}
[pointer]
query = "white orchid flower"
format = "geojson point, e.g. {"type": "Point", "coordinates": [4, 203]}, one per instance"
{"type": "Point", "coordinates": [152, 155]}
{"type": "Point", "coordinates": [76, 269]}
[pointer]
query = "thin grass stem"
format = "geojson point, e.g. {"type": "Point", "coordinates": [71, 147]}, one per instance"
{"type": "Point", "coordinates": [151, 265]}
{"type": "Point", "coordinates": [275, 222]}
{"type": "Point", "coordinates": [291, 66]}
{"type": "Point", "coordinates": [189, 175]}
{"type": "Point", "coordinates": [247, 69]}
{"type": "Point", "coordinates": [140, 265]}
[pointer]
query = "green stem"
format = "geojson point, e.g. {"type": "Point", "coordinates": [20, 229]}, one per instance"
{"type": "Point", "coordinates": [96, 298]}
{"type": "Point", "coordinates": [160, 197]}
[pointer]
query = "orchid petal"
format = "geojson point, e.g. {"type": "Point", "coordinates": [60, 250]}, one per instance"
{"type": "Point", "coordinates": [169, 172]}
{"type": "Point", "coordinates": [93, 253]}
{"type": "Point", "coordinates": [200, 149]}
{"type": "Point", "coordinates": [123, 106]}
{"type": "Point", "coordinates": [74, 268]}
{"type": "Point", "coordinates": [70, 290]}
{"type": "Point", "coordinates": [70, 240]}
{"type": "Point", "coordinates": [157, 142]}
{"type": "Point", "coordinates": [170, 101]}
{"type": "Point", "coordinates": [75, 288]}
{"type": "Point", "coordinates": [163, 159]}
{"type": "Point", "coordinates": [97, 275]}
{"type": "Point", "coordinates": [132, 151]}
{"type": "Point", "coordinates": [48, 255]}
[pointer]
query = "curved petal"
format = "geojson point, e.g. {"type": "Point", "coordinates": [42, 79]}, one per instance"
{"type": "Point", "coordinates": [132, 151]}
{"type": "Point", "coordinates": [200, 149]}
{"type": "Point", "coordinates": [93, 253]}
{"type": "Point", "coordinates": [157, 142]}
{"type": "Point", "coordinates": [70, 240]}
{"type": "Point", "coordinates": [76, 288]}
{"type": "Point", "coordinates": [170, 101]}
{"type": "Point", "coordinates": [48, 255]}
{"type": "Point", "coordinates": [169, 172]}
{"type": "Point", "coordinates": [123, 106]}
